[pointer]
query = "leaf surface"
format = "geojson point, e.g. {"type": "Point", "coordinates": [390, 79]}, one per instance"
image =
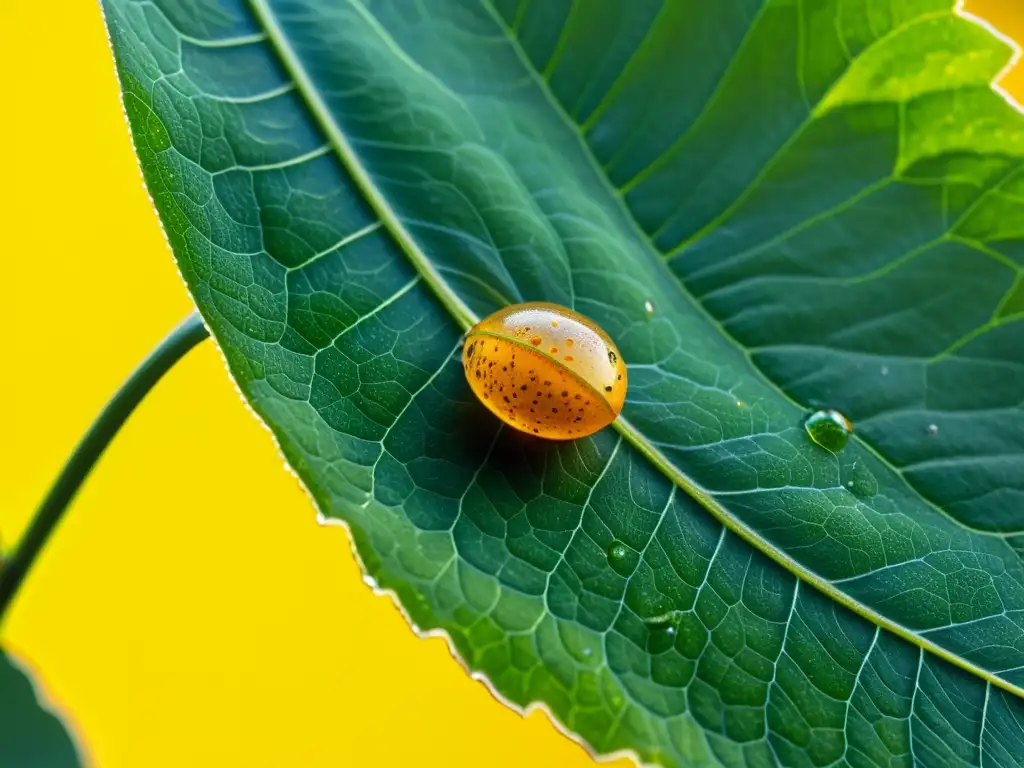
{"type": "Point", "coordinates": [771, 206]}
{"type": "Point", "coordinates": [30, 735]}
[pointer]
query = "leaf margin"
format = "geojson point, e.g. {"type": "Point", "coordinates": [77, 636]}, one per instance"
{"type": "Point", "coordinates": [466, 318]}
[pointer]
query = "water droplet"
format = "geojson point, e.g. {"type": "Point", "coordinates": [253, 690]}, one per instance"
{"type": "Point", "coordinates": [620, 558]}
{"type": "Point", "coordinates": [932, 429]}
{"type": "Point", "coordinates": [649, 308]}
{"type": "Point", "coordinates": [587, 651]}
{"type": "Point", "coordinates": [662, 632]}
{"type": "Point", "coordinates": [885, 370]}
{"type": "Point", "coordinates": [859, 480]}
{"type": "Point", "coordinates": [660, 623]}
{"type": "Point", "coordinates": [830, 429]}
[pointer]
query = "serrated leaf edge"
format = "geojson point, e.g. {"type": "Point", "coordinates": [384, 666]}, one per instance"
{"type": "Point", "coordinates": [466, 318]}
{"type": "Point", "coordinates": [325, 521]}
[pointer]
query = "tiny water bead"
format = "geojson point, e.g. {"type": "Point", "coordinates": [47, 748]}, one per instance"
{"type": "Point", "coordinates": [662, 631]}
{"type": "Point", "coordinates": [830, 429]}
{"type": "Point", "coordinates": [663, 623]}
{"type": "Point", "coordinates": [621, 558]}
{"type": "Point", "coordinates": [859, 480]}
{"type": "Point", "coordinates": [545, 370]}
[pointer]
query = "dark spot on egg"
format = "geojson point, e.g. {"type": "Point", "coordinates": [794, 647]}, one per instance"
{"type": "Point", "coordinates": [565, 393]}
{"type": "Point", "coordinates": [607, 389]}
{"type": "Point", "coordinates": [523, 388]}
{"type": "Point", "coordinates": [612, 357]}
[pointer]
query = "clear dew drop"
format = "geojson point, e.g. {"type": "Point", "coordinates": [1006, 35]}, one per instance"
{"type": "Point", "coordinates": [619, 558]}
{"type": "Point", "coordinates": [885, 370]}
{"type": "Point", "coordinates": [830, 429]}
{"type": "Point", "coordinates": [932, 429]}
{"type": "Point", "coordinates": [662, 631]}
{"type": "Point", "coordinates": [665, 622]}
{"type": "Point", "coordinates": [859, 480]}
{"type": "Point", "coordinates": [649, 308]}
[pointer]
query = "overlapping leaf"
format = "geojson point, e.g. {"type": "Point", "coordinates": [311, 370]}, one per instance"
{"type": "Point", "coordinates": [30, 735]}
{"type": "Point", "coordinates": [771, 205]}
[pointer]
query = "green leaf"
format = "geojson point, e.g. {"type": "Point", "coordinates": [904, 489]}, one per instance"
{"type": "Point", "coordinates": [30, 735]}
{"type": "Point", "coordinates": [822, 200]}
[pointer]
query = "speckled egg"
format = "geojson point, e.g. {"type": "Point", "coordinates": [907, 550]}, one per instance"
{"type": "Point", "coordinates": [545, 370]}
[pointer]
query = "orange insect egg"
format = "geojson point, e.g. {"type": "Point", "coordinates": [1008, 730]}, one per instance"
{"type": "Point", "coordinates": [545, 370]}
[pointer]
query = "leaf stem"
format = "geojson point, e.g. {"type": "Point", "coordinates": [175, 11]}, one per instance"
{"type": "Point", "coordinates": [12, 573]}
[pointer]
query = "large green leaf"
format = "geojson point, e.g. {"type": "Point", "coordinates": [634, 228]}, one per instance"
{"type": "Point", "coordinates": [823, 202]}
{"type": "Point", "coordinates": [30, 735]}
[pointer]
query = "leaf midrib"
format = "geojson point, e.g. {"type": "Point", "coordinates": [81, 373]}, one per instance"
{"type": "Point", "coordinates": [466, 318]}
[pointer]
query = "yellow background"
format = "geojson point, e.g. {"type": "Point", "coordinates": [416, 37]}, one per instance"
{"type": "Point", "coordinates": [189, 611]}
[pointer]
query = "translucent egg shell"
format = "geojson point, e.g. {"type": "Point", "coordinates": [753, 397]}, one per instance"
{"type": "Point", "coordinates": [545, 370]}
